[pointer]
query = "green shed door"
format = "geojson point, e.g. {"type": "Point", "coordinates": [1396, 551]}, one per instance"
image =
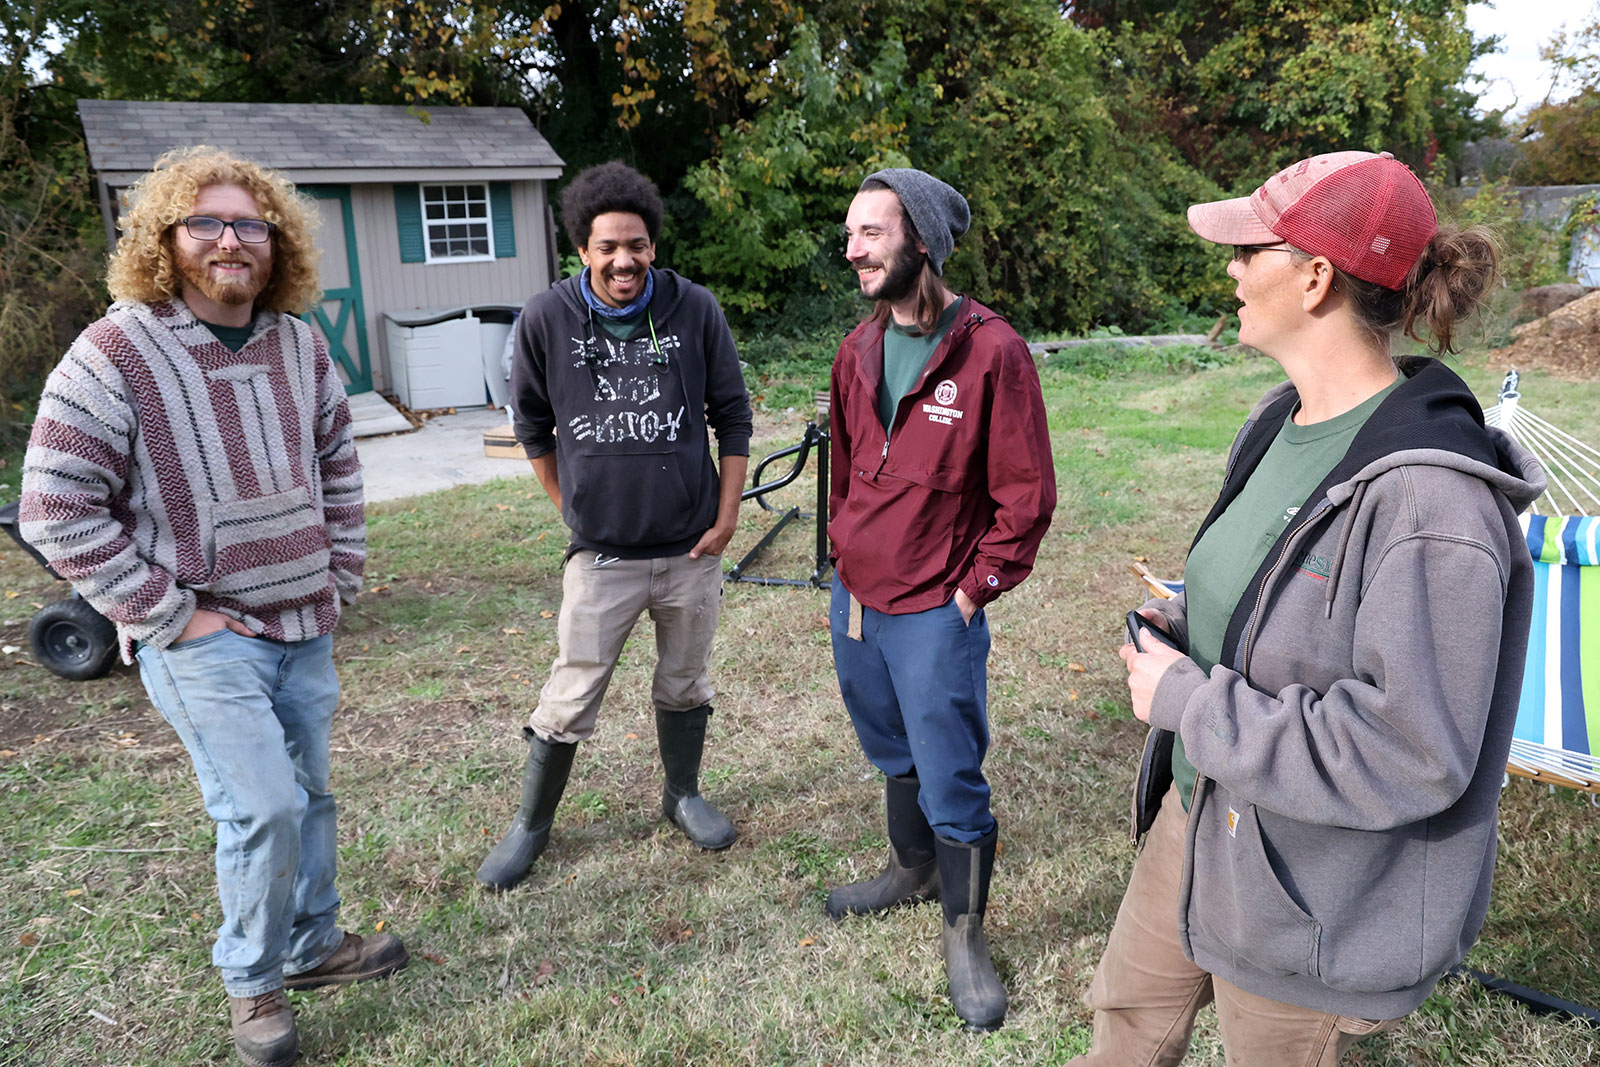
{"type": "Point", "coordinates": [341, 316]}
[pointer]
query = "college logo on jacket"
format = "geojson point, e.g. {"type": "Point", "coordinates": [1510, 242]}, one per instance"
{"type": "Point", "coordinates": [944, 394]}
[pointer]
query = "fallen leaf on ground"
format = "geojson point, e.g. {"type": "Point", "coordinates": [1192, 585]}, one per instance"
{"type": "Point", "coordinates": [511, 630]}
{"type": "Point", "coordinates": [547, 614]}
{"type": "Point", "coordinates": [630, 737]}
{"type": "Point", "coordinates": [807, 942]}
{"type": "Point", "coordinates": [1075, 666]}
{"type": "Point", "coordinates": [28, 940]}
{"type": "Point", "coordinates": [378, 926]}
{"type": "Point", "coordinates": [73, 893]}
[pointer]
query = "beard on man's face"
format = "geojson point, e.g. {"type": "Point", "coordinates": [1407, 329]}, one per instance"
{"type": "Point", "coordinates": [901, 270]}
{"type": "Point", "coordinates": [231, 291]}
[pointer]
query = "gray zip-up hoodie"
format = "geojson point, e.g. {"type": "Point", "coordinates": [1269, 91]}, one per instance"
{"type": "Point", "coordinates": [1352, 740]}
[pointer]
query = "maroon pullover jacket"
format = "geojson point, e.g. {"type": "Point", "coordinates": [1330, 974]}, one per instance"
{"type": "Point", "coordinates": [959, 492]}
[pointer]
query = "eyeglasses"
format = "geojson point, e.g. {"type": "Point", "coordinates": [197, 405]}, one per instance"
{"type": "Point", "coordinates": [1243, 252]}
{"type": "Point", "coordinates": [206, 228]}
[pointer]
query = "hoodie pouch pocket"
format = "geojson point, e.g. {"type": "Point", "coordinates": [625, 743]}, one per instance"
{"type": "Point", "coordinates": [1238, 900]}
{"type": "Point", "coordinates": [639, 498]}
{"type": "Point", "coordinates": [268, 550]}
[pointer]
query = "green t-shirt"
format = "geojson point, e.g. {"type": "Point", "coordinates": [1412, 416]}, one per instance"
{"type": "Point", "coordinates": [233, 337]}
{"type": "Point", "coordinates": [905, 354]}
{"type": "Point", "coordinates": [1222, 563]}
{"type": "Point", "coordinates": [621, 329]}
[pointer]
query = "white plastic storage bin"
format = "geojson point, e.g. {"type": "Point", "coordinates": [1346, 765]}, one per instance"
{"type": "Point", "coordinates": [448, 358]}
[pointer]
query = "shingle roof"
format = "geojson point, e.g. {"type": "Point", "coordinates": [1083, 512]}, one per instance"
{"type": "Point", "coordinates": [129, 135]}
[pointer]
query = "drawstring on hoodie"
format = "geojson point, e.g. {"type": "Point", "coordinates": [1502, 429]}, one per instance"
{"type": "Point", "coordinates": [1344, 545]}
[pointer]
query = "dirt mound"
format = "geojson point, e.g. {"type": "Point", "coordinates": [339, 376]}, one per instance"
{"type": "Point", "coordinates": [1564, 343]}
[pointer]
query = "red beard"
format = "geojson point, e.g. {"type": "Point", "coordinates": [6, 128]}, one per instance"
{"type": "Point", "coordinates": [230, 291]}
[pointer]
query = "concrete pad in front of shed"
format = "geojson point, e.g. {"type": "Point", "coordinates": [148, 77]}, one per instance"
{"type": "Point", "coordinates": [371, 414]}
{"type": "Point", "coordinates": [447, 451]}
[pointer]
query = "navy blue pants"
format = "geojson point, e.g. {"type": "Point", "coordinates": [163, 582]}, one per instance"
{"type": "Point", "coordinates": [916, 687]}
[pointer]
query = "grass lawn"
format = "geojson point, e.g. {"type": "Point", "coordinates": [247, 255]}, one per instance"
{"type": "Point", "coordinates": [628, 946]}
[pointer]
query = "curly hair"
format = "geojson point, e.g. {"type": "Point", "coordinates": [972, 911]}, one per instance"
{"type": "Point", "coordinates": [144, 265]}
{"type": "Point", "coordinates": [613, 186]}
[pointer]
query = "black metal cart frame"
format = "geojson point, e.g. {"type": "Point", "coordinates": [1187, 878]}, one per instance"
{"type": "Point", "coordinates": [814, 438]}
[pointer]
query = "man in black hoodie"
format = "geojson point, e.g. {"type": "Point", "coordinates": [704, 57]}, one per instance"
{"type": "Point", "coordinates": [627, 365]}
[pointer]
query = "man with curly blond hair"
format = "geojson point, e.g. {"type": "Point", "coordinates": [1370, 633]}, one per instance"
{"type": "Point", "coordinates": [192, 474]}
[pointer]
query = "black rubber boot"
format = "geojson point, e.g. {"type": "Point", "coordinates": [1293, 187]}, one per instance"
{"type": "Point", "coordinates": [682, 737]}
{"type": "Point", "coordinates": [912, 874]}
{"type": "Point", "coordinates": [975, 989]}
{"type": "Point", "coordinates": [543, 780]}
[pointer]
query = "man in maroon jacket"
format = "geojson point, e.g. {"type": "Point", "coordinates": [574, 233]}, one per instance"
{"type": "Point", "coordinates": [942, 488]}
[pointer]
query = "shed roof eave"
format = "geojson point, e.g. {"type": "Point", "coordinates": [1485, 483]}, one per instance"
{"type": "Point", "coordinates": [121, 179]}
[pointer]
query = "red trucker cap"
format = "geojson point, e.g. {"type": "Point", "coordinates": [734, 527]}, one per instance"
{"type": "Point", "coordinates": [1368, 214]}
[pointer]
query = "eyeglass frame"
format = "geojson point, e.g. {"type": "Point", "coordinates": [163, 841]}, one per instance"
{"type": "Point", "coordinates": [227, 224]}
{"type": "Point", "coordinates": [1240, 252]}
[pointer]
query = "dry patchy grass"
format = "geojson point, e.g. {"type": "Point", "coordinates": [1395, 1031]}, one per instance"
{"type": "Point", "coordinates": [628, 946]}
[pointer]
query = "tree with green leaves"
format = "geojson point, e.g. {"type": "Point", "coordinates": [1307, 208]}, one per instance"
{"type": "Point", "coordinates": [1561, 139]}
{"type": "Point", "coordinates": [1244, 87]}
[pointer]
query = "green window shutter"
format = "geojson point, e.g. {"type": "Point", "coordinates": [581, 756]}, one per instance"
{"type": "Point", "coordinates": [505, 235]}
{"type": "Point", "coordinates": [408, 220]}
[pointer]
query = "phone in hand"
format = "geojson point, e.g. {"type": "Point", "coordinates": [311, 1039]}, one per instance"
{"type": "Point", "coordinates": [1144, 634]}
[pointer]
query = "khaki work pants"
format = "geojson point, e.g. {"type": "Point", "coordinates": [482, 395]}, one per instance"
{"type": "Point", "coordinates": [601, 599]}
{"type": "Point", "coordinates": [1146, 992]}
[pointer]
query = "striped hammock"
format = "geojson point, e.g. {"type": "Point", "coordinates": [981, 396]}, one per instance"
{"type": "Point", "coordinates": [1557, 736]}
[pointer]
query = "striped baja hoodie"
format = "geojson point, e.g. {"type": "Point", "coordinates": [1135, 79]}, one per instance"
{"type": "Point", "coordinates": [166, 473]}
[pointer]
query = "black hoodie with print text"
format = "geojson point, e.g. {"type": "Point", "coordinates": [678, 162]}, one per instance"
{"type": "Point", "coordinates": [627, 418]}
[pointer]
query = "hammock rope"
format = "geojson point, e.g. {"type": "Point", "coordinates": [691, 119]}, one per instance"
{"type": "Point", "coordinates": [1557, 737]}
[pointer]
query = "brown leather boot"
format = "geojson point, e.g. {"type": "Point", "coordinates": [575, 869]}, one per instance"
{"type": "Point", "coordinates": [263, 1029]}
{"type": "Point", "coordinates": [357, 959]}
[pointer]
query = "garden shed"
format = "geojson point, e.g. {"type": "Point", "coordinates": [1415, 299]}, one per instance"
{"type": "Point", "coordinates": [443, 211]}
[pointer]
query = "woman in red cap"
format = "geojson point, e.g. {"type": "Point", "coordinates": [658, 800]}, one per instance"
{"type": "Point", "coordinates": [1319, 791]}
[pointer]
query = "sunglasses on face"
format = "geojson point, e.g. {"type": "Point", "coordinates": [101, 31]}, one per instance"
{"type": "Point", "coordinates": [206, 228]}
{"type": "Point", "coordinates": [1244, 252]}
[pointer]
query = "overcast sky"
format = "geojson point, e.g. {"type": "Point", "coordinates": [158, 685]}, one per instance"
{"type": "Point", "coordinates": [1517, 78]}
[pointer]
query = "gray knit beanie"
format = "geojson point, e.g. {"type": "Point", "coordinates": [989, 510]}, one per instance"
{"type": "Point", "coordinates": [939, 213]}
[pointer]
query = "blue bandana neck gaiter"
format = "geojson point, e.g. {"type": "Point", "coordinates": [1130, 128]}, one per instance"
{"type": "Point", "coordinates": [605, 310]}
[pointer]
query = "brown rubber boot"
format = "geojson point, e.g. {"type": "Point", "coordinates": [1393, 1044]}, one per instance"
{"type": "Point", "coordinates": [912, 874]}
{"type": "Point", "coordinates": [357, 959]}
{"type": "Point", "coordinates": [263, 1029]}
{"type": "Point", "coordinates": [964, 874]}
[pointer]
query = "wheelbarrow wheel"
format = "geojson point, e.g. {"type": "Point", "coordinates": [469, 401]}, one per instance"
{"type": "Point", "coordinates": [73, 640]}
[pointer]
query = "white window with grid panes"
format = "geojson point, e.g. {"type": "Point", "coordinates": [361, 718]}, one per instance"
{"type": "Point", "coordinates": [456, 223]}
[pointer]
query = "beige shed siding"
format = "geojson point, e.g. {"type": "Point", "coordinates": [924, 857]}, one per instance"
{"type": "Point", "coordinates": [390, 285]}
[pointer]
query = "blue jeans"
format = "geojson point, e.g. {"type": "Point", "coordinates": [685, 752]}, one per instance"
{"type": "Point", "coordinates": [917, 690]}
{"type": "Point", "coordinates": [256, 716]}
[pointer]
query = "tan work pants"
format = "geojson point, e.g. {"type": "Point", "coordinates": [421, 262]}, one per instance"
{"type": "Point", "coordinates": [601, 599]}
{"type": "Point", "coordinates": [1146, 992]}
